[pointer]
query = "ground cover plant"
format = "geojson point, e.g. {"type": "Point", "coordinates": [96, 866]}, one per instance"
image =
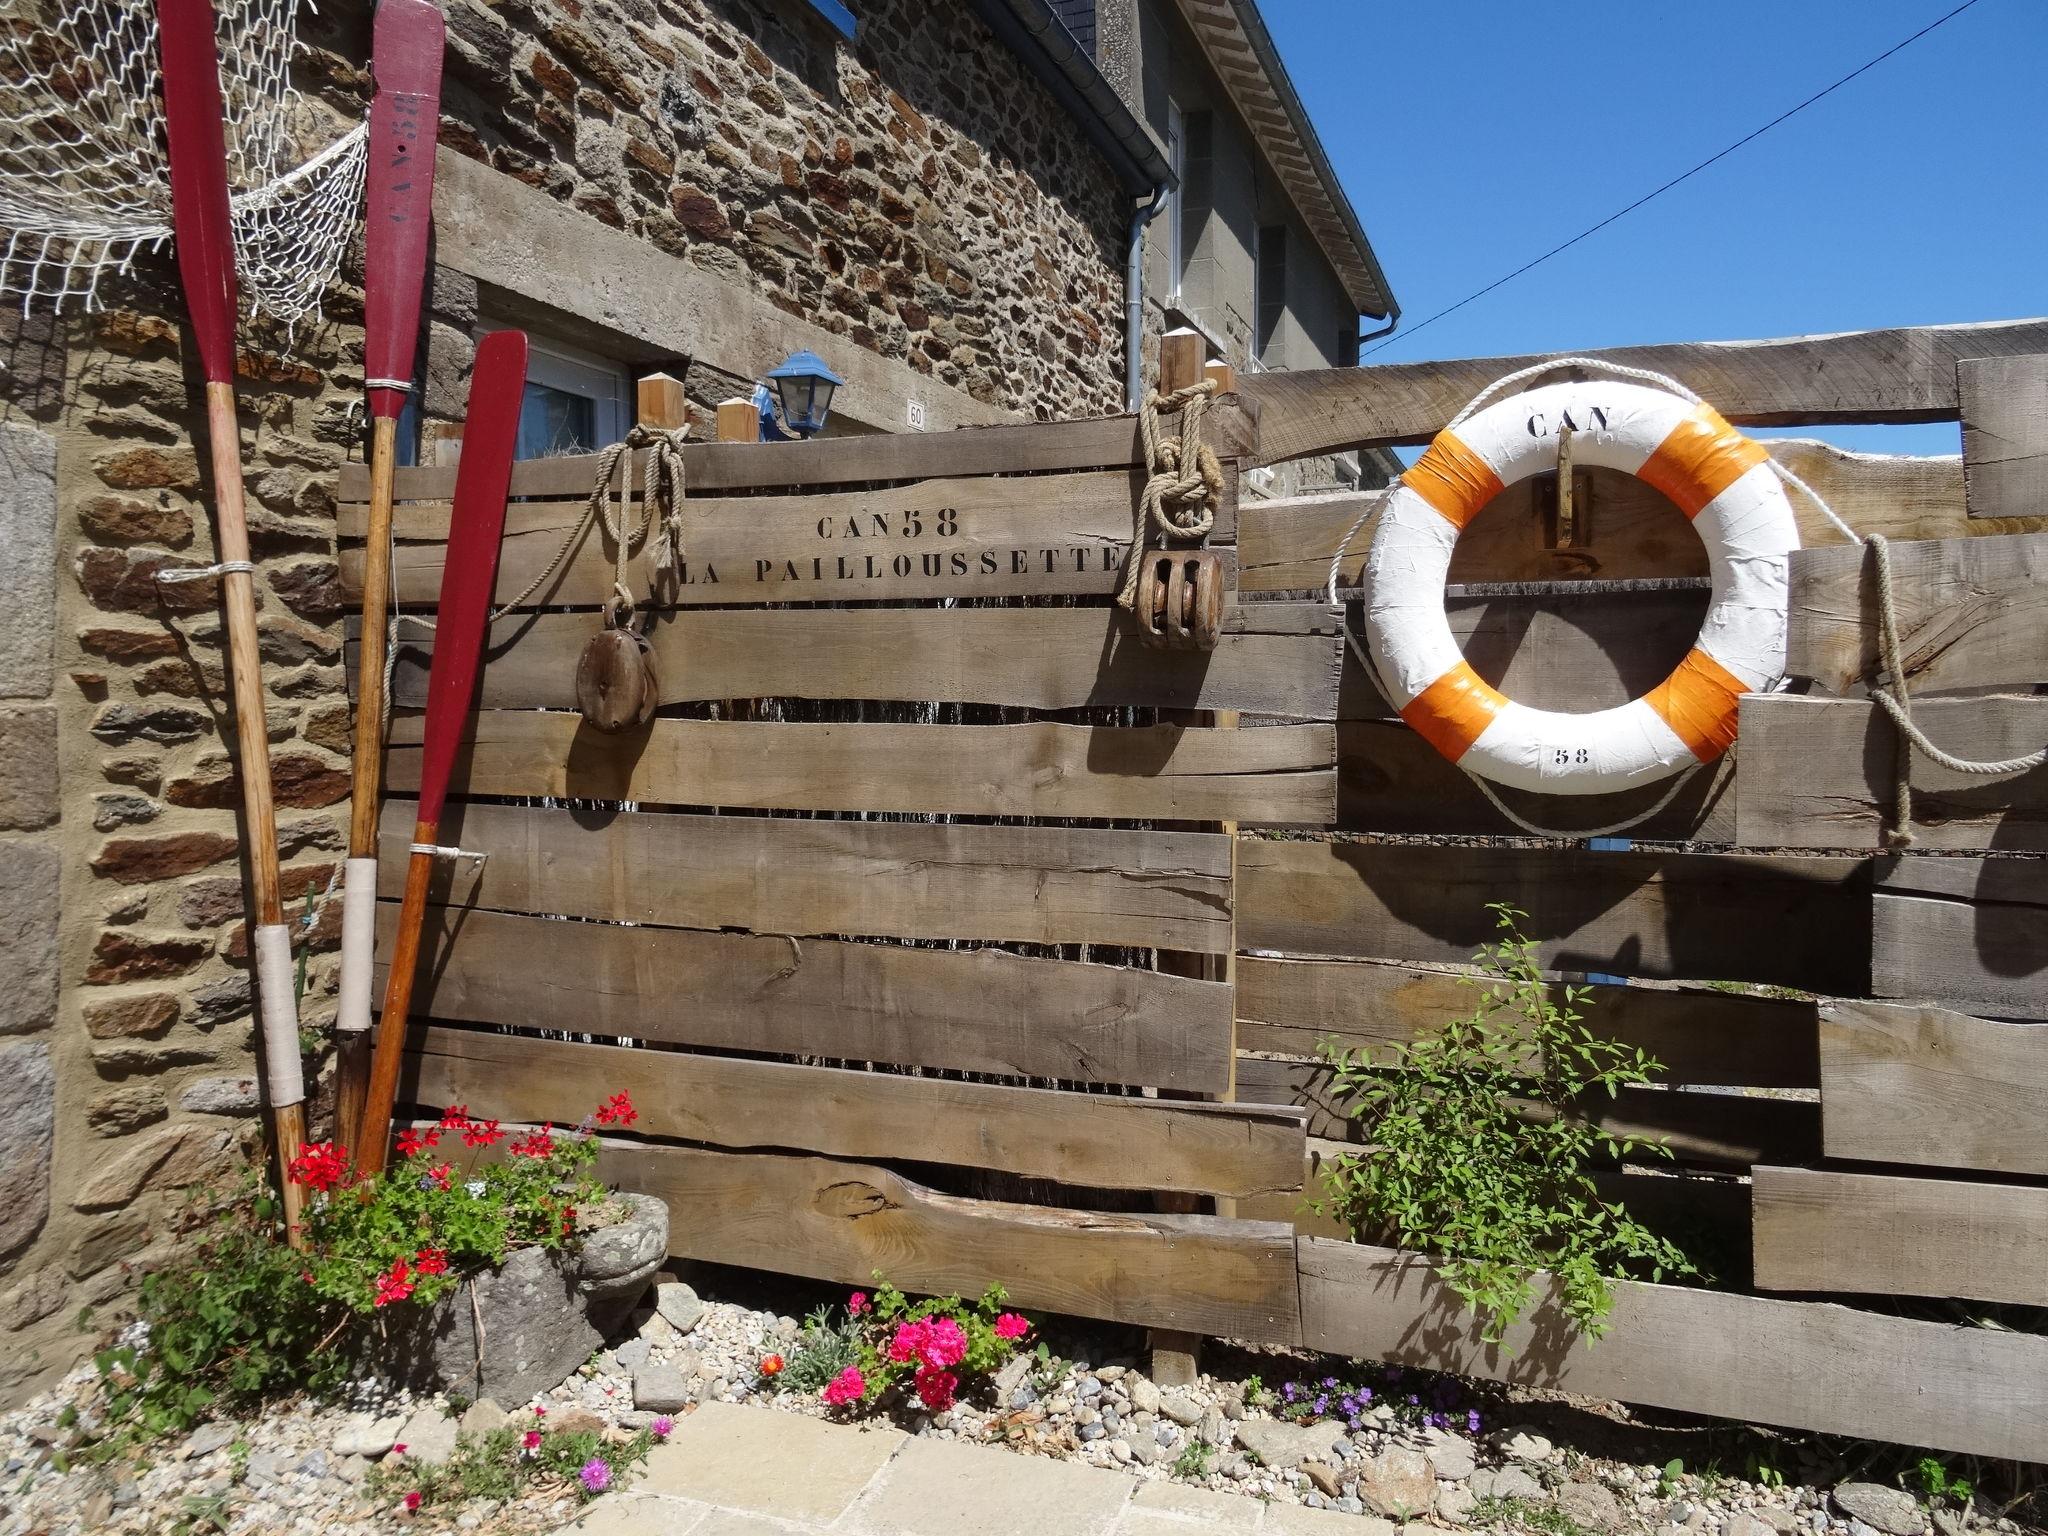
{"type": "Point", "coordinates": [1481, 1149]}
{"type": "Point", "coordinates": [1421, 1398]}
{"type": "Point", "coordinates": [244, 1316]}
{"type": "Point", "coordinates": [885, 1351]}
{"type": "Point", "coordinates": [525, 1456]}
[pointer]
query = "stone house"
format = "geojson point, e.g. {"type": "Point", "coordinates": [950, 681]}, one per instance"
{"type": "Point", "coordinates": [940, 199]}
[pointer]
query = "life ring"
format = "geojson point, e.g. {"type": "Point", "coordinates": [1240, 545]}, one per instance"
{"type": "Point", "coordinates": [1720, 479]}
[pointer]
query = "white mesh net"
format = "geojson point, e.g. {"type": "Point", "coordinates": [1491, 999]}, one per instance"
{"type": "Point", "coordinates": [84, 182]}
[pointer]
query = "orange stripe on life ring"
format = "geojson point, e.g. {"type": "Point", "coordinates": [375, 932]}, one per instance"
{"type": "Point", "coordinates": [1699, 459]}
{"type": "Point", "coordinates": [1452, 711]}
{"type": "Point", "coordinates": [1453, 479]}
{"type": "Point", "coordinates": [1699, 702]}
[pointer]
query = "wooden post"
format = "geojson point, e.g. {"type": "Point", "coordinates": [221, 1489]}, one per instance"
{"type": "Point", "coordinates": [738, 421]}
{"type": "Point", "coordinates": [658, 401]}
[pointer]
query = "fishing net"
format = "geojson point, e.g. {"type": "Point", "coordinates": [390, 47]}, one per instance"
{"type": "Point", "coordinates": [84, 179]}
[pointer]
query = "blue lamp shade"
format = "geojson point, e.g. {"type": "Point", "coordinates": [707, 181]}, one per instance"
{"type": "Point", "coordinates": [803, 386]}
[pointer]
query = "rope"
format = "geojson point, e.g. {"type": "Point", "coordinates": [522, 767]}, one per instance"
{"type": "Point", "coordinates": [1892, 697]}
{"type": "Point", "coordinates": [1180, 495]}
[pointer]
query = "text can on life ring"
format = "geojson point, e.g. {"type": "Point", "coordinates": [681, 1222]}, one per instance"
{"type": "Point", "coordinates": [1720, 479]}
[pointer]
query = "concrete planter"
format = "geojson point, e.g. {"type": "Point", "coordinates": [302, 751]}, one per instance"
{"type": "Point", "coordinates": [543, 1313]}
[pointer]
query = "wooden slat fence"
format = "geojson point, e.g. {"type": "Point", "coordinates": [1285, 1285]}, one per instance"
{"type": "Point", "coordinates": [952, 932]}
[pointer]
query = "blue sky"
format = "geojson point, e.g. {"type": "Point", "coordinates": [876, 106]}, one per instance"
{"type": "Point", "coordinates": [1474, 134]}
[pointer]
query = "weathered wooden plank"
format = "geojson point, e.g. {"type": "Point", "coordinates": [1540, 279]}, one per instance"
{"type": "Point", "coordinates": [1903, 375]}
{"type": "Point", "coordinates": [1278, 774]}
{"type": "Point", "coordinates": [849, 1221]}
{"type": "Point", "coordinates": [1931, 1088]}
{"type": "Point", "coordinates": [1819, 773]}
{"type": "Point", "coordinates": [1718, 917]}
{"type": "Point", "coordinates": [1279, 659]}
{"type": "Point", "coordinates": [1284, 545]}
{"type": "Point", "coordinates": [1389, 779]}
{"type": "Point", "coordinates": [977, 1010]}
{"type": "Point", "coordinates": [888, 879]}
{"type": "Point", "coordinates": [1962, 933]}
{"type": "Point", "coordinates": [1821, 1230]}
{"type": "Point", "coordinates": [2005, 434]}
{"type": "Point", "coordinates": [1000, 537]}
{"type": "Point", "coordinates": [1973, 613]}
{"type": "Point", "coordinates": [1723, 1130]}
{"type": "Point", "coordinates": [1287, 1006]}
{"type": "Point", "coordinates": [1098, 1141]}
{"type": "Point", "coordinates": [1799, 1364]}
{"type": "Point", "coordinates": [1010, 449]}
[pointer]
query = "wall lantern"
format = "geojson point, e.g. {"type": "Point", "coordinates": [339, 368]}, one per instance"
{"type": "Point", "coordinates": [803, 388]}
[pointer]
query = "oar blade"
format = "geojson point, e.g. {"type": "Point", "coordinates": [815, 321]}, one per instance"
{"type": "Point", "coordinates": [398, 195]}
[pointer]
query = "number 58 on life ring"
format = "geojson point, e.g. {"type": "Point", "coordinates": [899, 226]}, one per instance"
{"type": "Point", "coordinates": [1720, 479]}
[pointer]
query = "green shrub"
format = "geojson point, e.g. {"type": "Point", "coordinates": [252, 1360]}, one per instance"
{"type": "Point", "coordinates": [887, 1348]}
{"type": "Point", "coordinates": [1479, 1147]}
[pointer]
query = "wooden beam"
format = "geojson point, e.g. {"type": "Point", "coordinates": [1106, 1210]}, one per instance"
{"type": "Point", "coordinates": [884, 879]}
{"type": "Point", "coordinates": [976, 1010]}
{"type": "Point", "coordinates": [1821, 1230]}
{"type": "Point", "coordinates": [1088, 1140]}
{"type": "Point", "coordinates": [1962, 933]}
{"type": "Point", "coordinates": [1721, 917]}
{"type": "Point", "coordinates": [1003, 536]}
{"type": "Point", "coordinates": [1972, 612]}
{"type": "Point", "coordinates": [1819, 773]}
{"type": "Point", "coordinates": [849, 1221]}
{"type": "Point", "coordinates": [1279, 774]}
{"type": "Point", "coordinates": [1802, 1365]}
{"type": "Point", "coordinates": [2005, 434]}
{"type": "Point", "coordinates": [1287, 1007]}
{"type": "Point", "coordinates": [1935, 1089]}
{"type": "Point", "coordinates": [1857, 376]}
{"type": "Point", "coordinates": [1280, 659]}
{"type": "Point", "coordinates": [1285, 544]}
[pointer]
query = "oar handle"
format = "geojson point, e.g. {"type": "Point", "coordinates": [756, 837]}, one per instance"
{"type": "Point", "coordinates": [388, 1055]}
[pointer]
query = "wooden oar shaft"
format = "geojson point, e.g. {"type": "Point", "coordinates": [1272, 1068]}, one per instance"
{"type": "Point", "coordinates": [389, 1055]}
{"type": "Point", "coordinates": [252, 747]}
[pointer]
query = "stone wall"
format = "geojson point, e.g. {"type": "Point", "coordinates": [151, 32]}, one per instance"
{"type": "Point", "coordinates": [914, 195]}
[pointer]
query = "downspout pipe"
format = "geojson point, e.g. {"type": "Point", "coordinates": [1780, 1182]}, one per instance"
{"type": "Point", "coordinates": [1142, 214]}
{"type": "Point", "coordinates": [1386, 330]}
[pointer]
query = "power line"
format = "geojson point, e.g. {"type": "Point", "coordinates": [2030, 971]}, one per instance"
{"type": "Point", "coordinates": [1674, 181]}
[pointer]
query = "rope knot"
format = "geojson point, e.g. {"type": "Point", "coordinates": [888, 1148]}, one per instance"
{"type": "Point", "coordinates": [1185, 479]}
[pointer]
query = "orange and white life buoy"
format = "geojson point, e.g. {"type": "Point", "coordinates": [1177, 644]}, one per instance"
{"type": "Point", "coordinates": [1724, 482]}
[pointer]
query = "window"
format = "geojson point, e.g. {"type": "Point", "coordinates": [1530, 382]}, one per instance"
{"type": "Point", "coordinates": [576, 402]}
{"type": "Point", "coordinates": [1189, 144]}
{"type": "Point", "coordinates": [1269, 291]}
{"type": "Point", "coordinates": [1176, 200]}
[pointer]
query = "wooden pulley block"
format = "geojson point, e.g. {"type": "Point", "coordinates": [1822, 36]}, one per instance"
{"type": "Point", "coordinates": [1180, 599]}
{"type": "Point", "coordinates": [616, 684]}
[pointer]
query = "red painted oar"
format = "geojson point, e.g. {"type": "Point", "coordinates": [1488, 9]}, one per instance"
{"type": "Point", "coordinates": [206, 266]}
{"type": "Point", "coordinates": [470, 574]}
{"type": "Point", "coordinates": [398, 215]}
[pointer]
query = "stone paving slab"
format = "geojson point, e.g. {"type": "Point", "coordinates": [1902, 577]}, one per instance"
{"type": "Point", "coordinates": [762, 1462]}
{"type": "Point", "coordinates": [1214, 1511]}
{"type": "Point", "coordinates": [944, 1488]}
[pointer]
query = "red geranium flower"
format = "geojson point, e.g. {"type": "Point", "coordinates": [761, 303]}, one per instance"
{"type": "Point", "coordinates": [617, 1110]}
{"type": "Point", "coordinates": [320, 1165]}
{"type": "Point", "coordinates": [455, 1117]}
{"type": "Point", "coordinates": [431, 1261]}
{"type": "Point", "coordinates": [540, 1143]}
{"type": "Point", "coordinates": [482, 1133]}
{"type": "Point", "coordinates": [395, 1285]}
{"type": "Point", "coordinates": [935, 1388]}
{"type": "Point", "coordinates": [412, 1143]}
{"type": "Point", "coordinates": [442, 1176]}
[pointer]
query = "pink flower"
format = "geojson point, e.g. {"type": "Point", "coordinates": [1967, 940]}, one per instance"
{"type": "Point", "coordinates": [1011, 1326]}
{"type": "Point", "coordinates": [596, 1474]}
{"type": "Point", "coordinates": [398, 1449]}
{"type": "Point", "coordinates": [857, 1303]}
{"type": "Point", "coordinates": [663, 1427]}
{"type": "Point", "coordinates": [531, 1440]}
{"type": "Point", "coordinates": [849, 1386]}
{"type": "Point", "coordinates": [935, 1388]}
{"type": "Point", "coordinates": [936, 1342]}
{"type": "Point", "coordinates": [412, 1501]}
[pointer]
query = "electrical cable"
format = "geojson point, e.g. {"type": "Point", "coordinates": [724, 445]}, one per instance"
{"type": "Point", "coordinates": [1674, 181]}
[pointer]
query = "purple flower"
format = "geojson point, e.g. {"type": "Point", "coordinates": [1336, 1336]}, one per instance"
{"type": "Point", "coordinates": [1288, 1391]}
{"type": "Point", "coordinates": [663, 1427]}
{"type": "Point", "coordinates": [1354, 1422]}
{"type": "Point", "coordinates": [596, 1475]}
{"type": "Point", "coordinates": [1472, 1421]}
{"type": "Point", "coordinates": [1365, 1394]}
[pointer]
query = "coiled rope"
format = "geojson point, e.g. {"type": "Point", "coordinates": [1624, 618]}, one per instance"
{"type": "Point", "coordinates": [1184, 482]}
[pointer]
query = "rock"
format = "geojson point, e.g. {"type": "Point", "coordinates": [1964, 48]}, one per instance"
{"type": "Point", "coordinates": [1590, 1504]}
{"type": "Point", "coordinates": [207, 1439]}
{"type": "Point", "coordinates": [1233, 1466]}
{"type": "Point", "coordinates": [313, 1464]}
{"type": "Point", "coordinates": [661, 1389]}
{"type": "Point", "coordinates": [1283, 1446]}
{"type": "Point", "coordinates": [1325, 1478]}
{"type": "Point", "coordinates": [170, 1158]}
{"type": "Point", "coordinates": [1398, 1484]}
{"type": "Point", "coordinates": [617, 1262]}
{"type": "Point", "coordinates": [1507, 1483]}
{"type": "Point", "coordinates": [1181, 1410]}
{"type": "Point", "coordinates": [657, 1330]}
{"type": "Point", "coordinates": [1745, 1524]}
{"type": "Point", "coordinates": [1453, 1456]}
{"type": "Point", "coordinates": [1454, 1504]}
{"type": "Point", "coordinates": [1144, 1393]}
{"type": "Point", "coordinates": [1784, 1521]}
{"type": "Point", "coordinates": [1090, 1432]}
{"type": "Point", "coordinates": [1011, 1377]}
{"type": "Point", "coordinates": [575, 1421]}
{"type": "Point", "coordinates": [1522, 1446]}
{"type": "Point", "coordinates": [1121, 1450]}
{"type": "Point", "coordinates": [370, 1437]}
{"type": "Point", "coordinates": [1946, 1523]}
{"type": "Point", "coordinates": [221, 1096]}
{"type": "Point", "coordinates": [481, 1417]}
{"type": "Point", "coordinates": [680, 1305]}
{"type": "Point", "coordinates": [28, 1110]}
{"type": "Point", "coordinates": [428, 1436]}
{"type": "Point", "coordinates": [1891, 1510]}
{"type": "Point", "coordinates": [265, 1468]}
{"type": "Point", "coordinates": [633, 1354]}
{"type": "Point", "coordinates": [1144, 1449]}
